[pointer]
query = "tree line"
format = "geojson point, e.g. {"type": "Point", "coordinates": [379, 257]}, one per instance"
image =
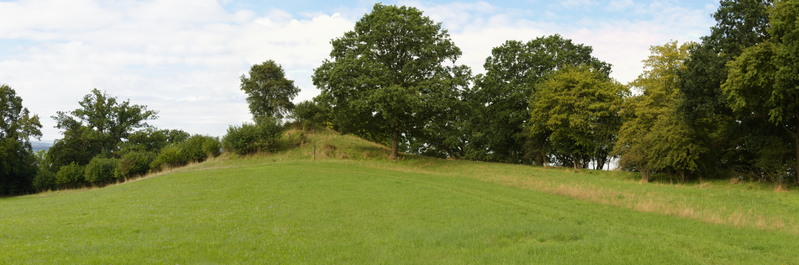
{"type": "Point", "coordinates": [723, 107]}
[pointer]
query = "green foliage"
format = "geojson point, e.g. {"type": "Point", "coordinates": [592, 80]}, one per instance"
{"type": "Point", "coordinates": [199, 147]}
{"type": "Point", "coordinates": [44, 180]}
{"type": "Point", "coordinates": [309, 113]}
{"type": "Point", "coordinates": [388, 75]}
{"type": "Point", "coordinates": [269, 93]}
{"type": "Point", "coordinates": [580, 108]}
{"type": "Point", "coordinates": [500, 98]}
{"type": "Point", "coordinates": [134, 164]}
{"type": "Point", "coordinates": [103, 121]}
{"type": "Point", "coordinates": [170, 156]}
{"type": "Point", "coordinates": [764, 80]}
{"type": "Point", "coordinates": [729, 140]}
{"type": "Point", "coordinates": [70, 174]}
{"type": "Point", "coordinates": [250, 138]}
{"type": "Point", "coordinates": [79, 145]}
{"type": "Point", "coordinates": [195, 148]}
{"type": "Point", "coordinates": [17, 126]}
{"type": "Point", "coordinates": [655, 137]}
{"type": "Point", "coordinates": [100, 170]}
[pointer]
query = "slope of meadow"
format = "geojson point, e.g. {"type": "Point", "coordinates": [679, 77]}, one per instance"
{"type": "Point", "coordinates": [350, 205]}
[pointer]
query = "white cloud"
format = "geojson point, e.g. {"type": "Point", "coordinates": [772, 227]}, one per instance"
{"type": "Point", "coordinates": [572, 4]}
{"type": "Point", "coordinates": [620, 5]}
{"type": "Point", "coordinates": [183, 58]}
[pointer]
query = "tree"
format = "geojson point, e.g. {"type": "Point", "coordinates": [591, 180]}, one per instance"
{"type": "Point", "coordinates": [764, 80]}
{"type": "Point", "coordinates": [17, 161]}
{"type": "Point", "coordinates": [107, 122]}
{"type": "Point", "coordinates": [654, 136]}
{"type": "Point", "coordinates": [730, 141]}
{"type": "Point", "coordinates": [388, 75]}
{"type": "Point", "coordinates": [500, 98]}
{"type": "Point", "coordinates": [580, 107]}
{"type": "Point", "coordinates": [269, 93]}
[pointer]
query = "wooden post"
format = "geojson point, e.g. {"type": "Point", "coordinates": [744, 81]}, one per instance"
{"type": "Point", "coordinates": [314, 151]}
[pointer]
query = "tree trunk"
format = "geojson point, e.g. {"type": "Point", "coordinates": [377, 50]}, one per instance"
{"type": "Point", "coordinates": [539, 159]}
{"type": "Point", "coordinates": [395, 145]}
{"type": "Point", "coordinates": [576, 161]}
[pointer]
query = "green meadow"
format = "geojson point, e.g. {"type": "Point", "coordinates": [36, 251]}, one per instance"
{"type": "Point", "coordinates": [350, 205]}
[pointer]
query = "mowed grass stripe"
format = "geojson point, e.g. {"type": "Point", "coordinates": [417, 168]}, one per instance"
{"type": "Point", "coordinates": [339, 212]}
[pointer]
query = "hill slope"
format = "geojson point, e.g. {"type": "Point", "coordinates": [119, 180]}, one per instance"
{"type": "Point", "coordinates": [351, 206]}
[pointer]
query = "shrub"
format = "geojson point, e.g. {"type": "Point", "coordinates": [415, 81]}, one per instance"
{"type": "Point", "coordinates": [308, 113]}
{"type": "Point", "coordinates": [195, 148]}
{"type": "Point", "coordinates": [169, 156]}
{"type": "Point", "coordinates": [241, 139]}
{"type": "Point", "coordinates": [199, 147]}
{"type": "Point", "coordinates": [71, 173]}
{"type": "Point", "coordinates": [134, 164]}
{"type": "Point", "coordinates": [45, 179]}
{"type": "Point", "coordinates": [100, 169]}
{"type": "Point", "coordinates": [249, 138]}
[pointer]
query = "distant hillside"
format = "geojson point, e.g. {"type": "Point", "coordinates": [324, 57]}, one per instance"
{"type": "Point", "coordinates": [41, 145]}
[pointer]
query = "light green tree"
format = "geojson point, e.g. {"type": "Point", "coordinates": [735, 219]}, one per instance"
{"type": "Point", "coordinates": [269, 93]}
{"type": "Point", "coordinates": [580, 107]}
{"type": "Point", "coordinates": [654, 136]}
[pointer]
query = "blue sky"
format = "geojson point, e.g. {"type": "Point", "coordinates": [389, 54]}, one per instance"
{"type": "Point", "coordinates": [184, 57]}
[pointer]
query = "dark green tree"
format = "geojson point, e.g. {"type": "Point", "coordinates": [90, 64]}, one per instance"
{"type": "Point", "coordinates": [501, 97]}
{"type": "Point", "coordinates": [764, 80]}
{"type": "Point", "coordinates": [269, 93]}
{"type": "Point", "coordinates": [730, 141]}
{"type": "Point", "coordinates": [387, 76]}
{"type": "Point", "coordinates": [106, 120]}
{"type": "Point", "coordinates": [17, 161]}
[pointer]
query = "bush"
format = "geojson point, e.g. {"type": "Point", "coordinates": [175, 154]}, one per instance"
{"type": "Point", "coordinates": [45, 179]}
{"type": "Point", "coordinates": [71, 173]}
{"type": "Point", "coordinates": [308, 113]}
{"type": "Point", "coordinates": [101, 169]}
{"type": "Point", "coordinates": [134, 164]}
{"type": "Point", "coordinates": [169, 156]}
{"type": "Point", "coordinates": [199, 147]}
{"type": "Point", "coordinates": [195, 148]}
{"type": "Point", "coordinates": [249, 138]}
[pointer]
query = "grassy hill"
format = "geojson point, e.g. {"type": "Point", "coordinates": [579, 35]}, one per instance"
{"type": "Point", "coordinates": [350, 205]}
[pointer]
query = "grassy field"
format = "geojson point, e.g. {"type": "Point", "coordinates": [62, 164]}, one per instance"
{"type": "Point", "coordinates": [352, 206]}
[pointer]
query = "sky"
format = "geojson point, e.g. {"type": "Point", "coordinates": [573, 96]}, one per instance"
{"type": "Point", "coordinates": [184, 58]}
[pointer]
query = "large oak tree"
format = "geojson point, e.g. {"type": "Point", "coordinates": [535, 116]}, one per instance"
{"type": "Point", "coordinates": [389, 75]}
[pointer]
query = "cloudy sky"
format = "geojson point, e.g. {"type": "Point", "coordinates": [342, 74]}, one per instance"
{"type": "Point", "coordinates": [184, 57]}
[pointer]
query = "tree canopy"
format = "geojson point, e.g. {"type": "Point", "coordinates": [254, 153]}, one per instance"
{"type": "Point", "coordinates": [655, 137]}
{"type": "Point", "coordinates": [501, 97]}
{"type": "Point", "coordinates": [389, 75]}
{"type": "Point", "coordinates": [18, 126]}
{"type": "Point", "coordinates": [764, 80]}
{"type": "Point", "coordinates": [269, 93]}
{"type": "Point", "coordinates": [101, 124]}
{"type": "Point", "coordinates": [579, 106]}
